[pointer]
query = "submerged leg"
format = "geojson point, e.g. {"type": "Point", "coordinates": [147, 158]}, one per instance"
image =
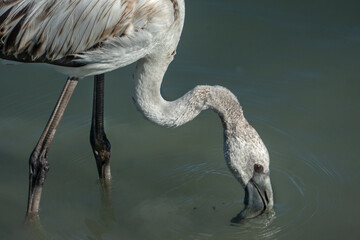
{"type": "Point", "coordinates": [38, 159]}
{"type": "Point", "coordinates": [100, 144]}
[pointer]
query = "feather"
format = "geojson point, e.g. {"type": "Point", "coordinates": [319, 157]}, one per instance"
{"type": "Point", "coordinates": [76, 33]}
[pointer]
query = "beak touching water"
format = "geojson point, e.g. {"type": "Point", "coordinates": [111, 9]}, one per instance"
{"type": "Point", "coordinates": [258, 195]}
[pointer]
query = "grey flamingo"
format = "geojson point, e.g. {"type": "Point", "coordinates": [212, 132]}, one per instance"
{"type": "Point", "coordinates": [91, 37]}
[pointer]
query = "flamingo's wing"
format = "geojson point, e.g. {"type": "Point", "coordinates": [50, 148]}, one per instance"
{"type": "Point", "coordinates": [51, 30]}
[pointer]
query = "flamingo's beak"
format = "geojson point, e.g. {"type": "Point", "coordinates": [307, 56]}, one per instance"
{"type": "Point", "coordinates": [258, 197]}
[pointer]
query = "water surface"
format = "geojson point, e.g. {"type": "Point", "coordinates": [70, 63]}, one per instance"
{"type": "Point", "coordinates": [294, 66]}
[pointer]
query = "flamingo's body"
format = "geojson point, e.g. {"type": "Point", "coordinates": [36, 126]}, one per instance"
{"type": "Point", "coordinates": [96, 36]}
{"type": "Point", "coordinates": [91, 37]}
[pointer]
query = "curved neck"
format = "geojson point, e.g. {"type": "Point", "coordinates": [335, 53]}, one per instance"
{"type": "Point", "coordinates": [243, 147]}
{"type": "Point", "coordinates": [148, 78]}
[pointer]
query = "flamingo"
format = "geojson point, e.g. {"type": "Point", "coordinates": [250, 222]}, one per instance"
{"type": "Point", "coordinates": [91, 37]}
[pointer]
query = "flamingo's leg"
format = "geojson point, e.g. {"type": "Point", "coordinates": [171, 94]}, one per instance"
{"type": "Point", "coordinates": [100, 144]}
{"type": "Point", "coordinates": [38, 159]}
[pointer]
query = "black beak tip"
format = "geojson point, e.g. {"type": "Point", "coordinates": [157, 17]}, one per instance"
{"type": "Point", "coordinates": [237, 219]}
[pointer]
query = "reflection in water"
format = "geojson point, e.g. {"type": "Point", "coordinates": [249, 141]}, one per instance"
{"type": "Point", "coordinates": [97, 228]}
{"type": "Point", "coordinates": [107, 218]}
{"type": "Point", "coordinates": [261, 225]}
{"type": "Point", "coordinates": [34, 230]}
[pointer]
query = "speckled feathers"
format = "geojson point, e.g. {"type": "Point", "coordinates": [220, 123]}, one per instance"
{"type": "Point", "coordinates": [59, 31]}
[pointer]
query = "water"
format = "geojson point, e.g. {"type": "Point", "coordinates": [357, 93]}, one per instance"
{"type": "Point", "coordinates": [293, 66]}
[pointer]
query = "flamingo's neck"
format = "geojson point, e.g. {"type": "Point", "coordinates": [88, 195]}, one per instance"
{"type": "Point", "coordinates": [242, 145]}
{"type": "Point", "coordinates": [148, 78]}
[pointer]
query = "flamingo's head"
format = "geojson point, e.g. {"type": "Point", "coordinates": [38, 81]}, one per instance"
{"type": "Point", "coordinates": [248, 159]}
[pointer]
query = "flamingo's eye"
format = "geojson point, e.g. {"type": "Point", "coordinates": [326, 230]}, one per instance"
{"type": "Point", "coordinates": [258, 168]}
